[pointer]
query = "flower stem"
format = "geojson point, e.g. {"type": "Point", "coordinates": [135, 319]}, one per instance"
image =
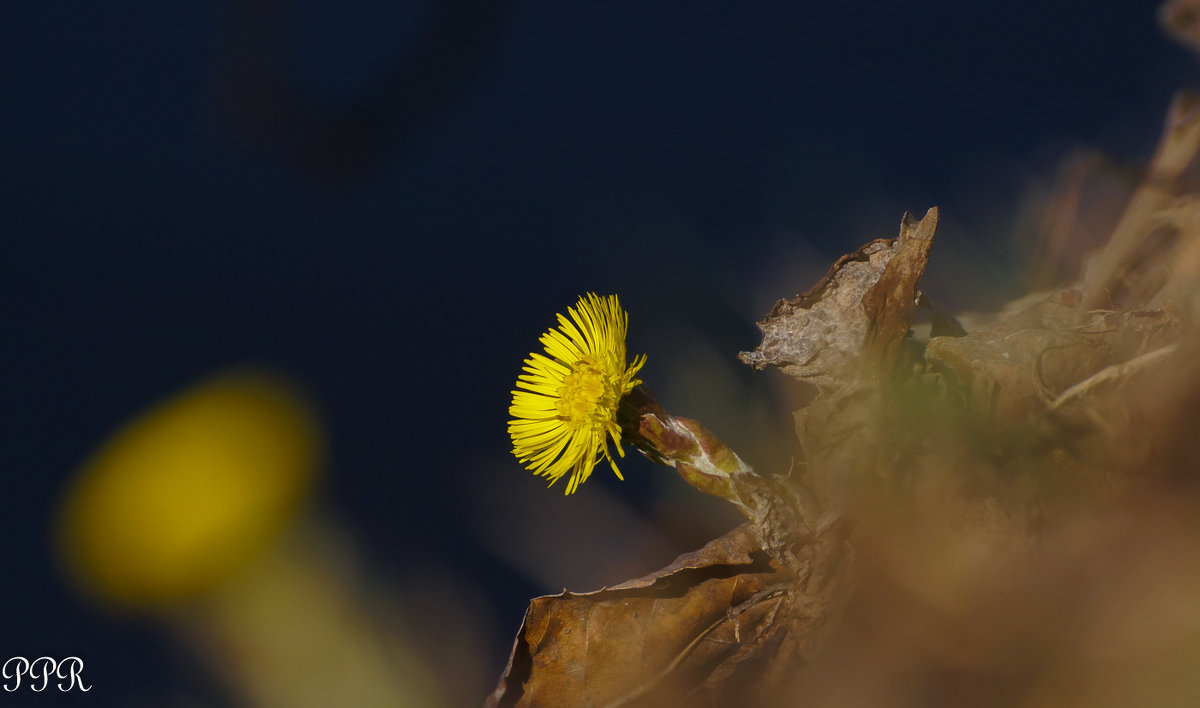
{"type": "Point", "coordinates": [699, 457]}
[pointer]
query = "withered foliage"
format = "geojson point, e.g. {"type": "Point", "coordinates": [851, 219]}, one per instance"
{"type": "Point", "coordinates": [1004, 511]}
{"type": "Point", "coordinates": [647, 640]}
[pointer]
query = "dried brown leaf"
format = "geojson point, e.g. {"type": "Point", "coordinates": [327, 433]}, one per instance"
{"type": "Point", "coordinates": [857, 314]}
{"type": "Point", "coordinates": [1019, 367]}
{"type": "Point", "coordinates": [651, 640]}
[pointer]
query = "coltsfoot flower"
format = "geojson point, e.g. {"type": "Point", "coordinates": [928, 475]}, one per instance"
{"type": "Point", "coordinates": [567, 408]}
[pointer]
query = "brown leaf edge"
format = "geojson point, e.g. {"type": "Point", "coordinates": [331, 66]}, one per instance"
{"type": "Point", "coordinates": [890, 302]}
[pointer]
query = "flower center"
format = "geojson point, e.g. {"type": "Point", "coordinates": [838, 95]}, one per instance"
{"type": "Point", "coordinates": [585, 396]}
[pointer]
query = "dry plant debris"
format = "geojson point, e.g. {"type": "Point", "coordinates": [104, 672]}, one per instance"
{"type": "Point", "coordinates": [1006, 513]}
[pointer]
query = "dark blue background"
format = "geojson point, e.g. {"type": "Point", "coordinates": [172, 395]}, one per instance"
{"type": "Point", "coordinates": [699, 160]}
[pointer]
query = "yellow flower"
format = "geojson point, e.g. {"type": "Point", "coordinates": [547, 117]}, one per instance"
{"type": "Point", "coordinates": [563, 418]}
{"type": "Point", "coordinates": [192, 491]}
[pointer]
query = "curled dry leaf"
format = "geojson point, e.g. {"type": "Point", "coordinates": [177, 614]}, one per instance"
{"type": "Point", "coordinates": [702, 626]}
{"type": "Point", "coordinates": [857, 315]}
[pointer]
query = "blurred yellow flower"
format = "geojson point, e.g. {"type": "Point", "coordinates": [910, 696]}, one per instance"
{"type": "Point", "coordinates": [191, 491]}
{"type": "Point", "coordinates": [567, 410]}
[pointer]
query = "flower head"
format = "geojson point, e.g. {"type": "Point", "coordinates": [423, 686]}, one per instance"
{"type": "Point", "coordinates": [190, 493]}
{"type": "Point", "coordinates": [567, 408]}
